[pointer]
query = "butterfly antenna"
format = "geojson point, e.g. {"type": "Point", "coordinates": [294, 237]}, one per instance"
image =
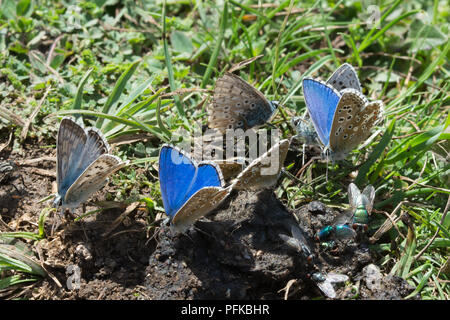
{"type": "Point", "coordinates": [243, 63]}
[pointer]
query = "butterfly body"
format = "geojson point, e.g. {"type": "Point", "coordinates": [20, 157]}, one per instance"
{"type": "Point", "coordinates": [189, 190]}
{"type": "Point", "coordinates": [341, 115]}
{"type": "Point", "coordinates": [83, 163]}
{"type": "Point", "coordinates": [237, 104]}
{"type": "Point", "coordinates": [305, 130]}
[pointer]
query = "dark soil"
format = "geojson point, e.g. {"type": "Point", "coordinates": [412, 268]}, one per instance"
{"type": "Point", "coordinates": [234, 254]}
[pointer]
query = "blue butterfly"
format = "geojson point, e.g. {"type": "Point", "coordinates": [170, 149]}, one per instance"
{"type": "Point", "coordinates": [344, 77]}
{"type": "Point", "coordinates": [342, 119]}
{"type": "Point", "coordinates": [82, 163]}
{"type": "Point", "coordinates": [189, 190]}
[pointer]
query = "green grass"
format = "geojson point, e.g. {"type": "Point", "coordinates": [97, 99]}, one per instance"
{"type": "Point", "coordinates": [115, 63]}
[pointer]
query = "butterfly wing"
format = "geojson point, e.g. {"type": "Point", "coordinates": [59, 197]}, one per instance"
{"type": "Point", "coordinates": [353, 121]}
{"type": "Point", "coordinates": [237, 104]}
{"type": "Point", "coordinates": [206, 192]}
{"type": "Point", "coordinates": [230, 169]}
{"type": "Point", "coordinates": [200, 204]}
{"type": "Point", "coordinates": [321, 102]}
{"type": "Point", "coordinates": [69, 146]}
{"type": "Point", "coordinates": [95, 146]}
{"type": "Point", "coordinates": [180, 178]}
{"type": "Point", "coordinates": [344, 77]}
{"type": "Point", "coordinates": [208, 175]}
{"type": "Point", "coordinates": [92, 179]}
{"type": "Point", "coordinates": [257, 174]}
{"type": "Point", "coordinates": [368, 195]}
{"type": "Point", "coordinates": [176, 173]}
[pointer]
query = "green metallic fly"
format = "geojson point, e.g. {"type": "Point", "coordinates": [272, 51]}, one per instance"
{"type": "Point", "coordinates": [361, 205]}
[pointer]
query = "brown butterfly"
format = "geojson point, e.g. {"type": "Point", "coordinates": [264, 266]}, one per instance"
{"type": "Point", "coordinates": [237, 104]}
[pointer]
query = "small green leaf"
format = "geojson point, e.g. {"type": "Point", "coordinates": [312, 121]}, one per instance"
{"type": "Point", "coordinates": [24, 8]}
{"type": "Point", "coordinates": [8, 9]}
{"type": "Point", "coordinates": [181, 43]}
{"type": "Point", "coordinates": [79, 97]}
{"type": "Point", "coordinates": [424, 36]}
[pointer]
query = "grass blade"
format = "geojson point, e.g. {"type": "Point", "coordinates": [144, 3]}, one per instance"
{"type": "Point", "coordinates": [79, 96]}
{"type": "Point", "coordinates": [169, 65]}
{"type": "Point", "coordinates": [117, 91]}
{"type": "Point", "coordinates": [376, 153]}
{"type": "Point", "coordinates": [215, 54]}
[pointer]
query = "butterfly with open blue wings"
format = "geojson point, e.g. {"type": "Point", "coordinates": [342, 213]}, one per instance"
{"type": "Point", "coordinates": [189, 190]}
